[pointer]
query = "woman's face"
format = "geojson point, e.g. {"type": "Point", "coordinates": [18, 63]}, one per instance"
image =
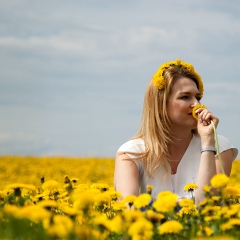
{"type": "Point", "coordinates": [183, 98]}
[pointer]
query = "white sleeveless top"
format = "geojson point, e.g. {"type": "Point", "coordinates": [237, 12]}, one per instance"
{"type": "Point", "coordinates": [187, 170]}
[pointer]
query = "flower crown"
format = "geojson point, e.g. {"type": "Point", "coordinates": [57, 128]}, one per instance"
{"type": "Point", "coordinates": [160, 82]}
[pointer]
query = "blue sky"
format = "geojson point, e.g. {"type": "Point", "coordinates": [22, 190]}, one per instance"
{"type": "Point", "coordinates": [73, 73]}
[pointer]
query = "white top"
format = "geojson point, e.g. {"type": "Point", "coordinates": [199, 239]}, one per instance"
{"type": "Point", "coordinates": [187, 170]}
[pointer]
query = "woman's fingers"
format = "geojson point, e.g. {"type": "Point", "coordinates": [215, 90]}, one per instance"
{"type": "Point", "coordinates": [206, 117]}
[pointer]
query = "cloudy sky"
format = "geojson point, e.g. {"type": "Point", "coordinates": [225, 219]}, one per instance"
{"type": "Point", "coordinates": [73, 73]}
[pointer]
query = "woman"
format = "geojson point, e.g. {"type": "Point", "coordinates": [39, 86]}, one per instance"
{"type": "Point", "coordinates": [171, 148]}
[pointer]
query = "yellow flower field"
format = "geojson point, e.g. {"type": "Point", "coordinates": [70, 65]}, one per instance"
{"type": "Point", "coordinates": [73, 198]}
{"type": "Point", "coordinates": [30, 169]}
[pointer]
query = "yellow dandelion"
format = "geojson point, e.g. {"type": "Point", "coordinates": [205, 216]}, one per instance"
{"type": "Point", "coordinates": [115, 195]}
{"type": "Point", "coordinates": [50, 185]}
{"type": "Point", "coordinates": [81, 187]}
{"type": "Point", "coordinates": [84, 201]}
{"type": "Point", "coordinates": [207, 189]}
{"type": "Point", "coordinates": [149, 189]}
{"type": "Point", "coordinates": [60, 226]}
{"type": "Point", "coordinates": [116, 224]}
{"type": "Point", "coordinates": [228, 211]}
{"type": "Point", "coordinates": [190, 187]}
{"type": "Point", "coordinates": [164, 193]}
{"type": "Point", "coordinates": [34, 213]}
{"type": "Point", "coordinates": [205, 202]}
{"type": "Point", "coordinates": [101, 186]}
{"type": "Point", "coordinates": [70, 211]}
{"type": "Point", "coordinates": [188, 210]}
{"type": "Point", "coordinates": [208, 231]}
{"type": "Point", "coordinates": [102, 222]}
{"type": "Point", "coordinates": [142, 200]}
{"type": "Point", "coordinates": [211, 218]}
{"type": "Point", "coordinates": [48, 204]}
{"type": "Point", "coordinates": [235, 221]}
{"type": "Point", "coordinates": [170, 227]}
{"type": "Point", "coordinates": [185, 202]}
{"type": "Point", "coordinates": [11, 209]}
{"type": "Point", "coordinates": [226, 226]}
{"type": "Point", "coordinates": [166, 202]}
{"type": "Point", "coordinates": [129, 200]}
{"type": "Point", "coordinates": [74, 180]}
{"type": "Point", "coordinates": [142, 230]}
{"type": "Point", "coordinates": [231, 192]}
{"type": "Point", "coordinates": [21, 186]}
{"type": "Point", "coordinates": [196, 107]}
{"type": "Point", "coordinates": [86, 232]}
{"type": "Point", "coordinates": [210, 209]}
{"type": "Point", "coordinates": [215, 198]}
{"type": "Point", "coordinates": [219, 181]}
{"type": "Point", "coordinates": [102, 199]}
{"type": "Point", "coordinates": [119, 206]}
{"type": "Point", "coordinates": [154, 217]}
{"type": "Point", "coordinates": [133, 215]}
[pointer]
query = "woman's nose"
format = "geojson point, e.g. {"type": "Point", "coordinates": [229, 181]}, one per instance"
{"type": "Point", "coordinates": [195, 103]}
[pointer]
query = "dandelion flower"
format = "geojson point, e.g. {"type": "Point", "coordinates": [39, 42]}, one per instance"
{"type": "Point", "coordinates": [103, 222]}
{"type": "Point", "coordinates": [102, 199]}
{"type": "Point", "coordinates": [84, 201]}
{"type": "Point", "coordinates": [219, 181]}
{"type": "Point", "coordinates": [154, 217]}
{"type": "Point", "coordinates": [207, 189]}
{"type": "Point", "coordinates": [196, 107]}
{"type": "Point", "coordinates": [59, 227]}
{"type": "Point", "coordinates": [129, 200]}
{"type": "Point", "coordinates": [170, 227]}
{"type": "Point", "coordinates": [119, 206]}
{"type": "Point", "coordinates": [231, 192]}
{"type": "Point", "coordinates": [149, 189]}
{"type": "Point", "coordinates": [116, 224]}
{"type": "Point", "coordinates": [131, 216]}
{"type": "Point", "coordinates": [190, 187]}
{"type": "Point", "coordinates": [142, 200]}
{"type": "Point", "coordinates": [102, 187]}
{"type": "Point", "coordinates": [142, 230]}
{"type": "Point", "coordinates": [50, 185]}
{"type": "Point", "coordinates": [166, 202]}
{"type": "Point", "coordinates": [208, 231]}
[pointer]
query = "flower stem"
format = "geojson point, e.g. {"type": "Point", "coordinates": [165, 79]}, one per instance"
{"type": "Point", "coordinates": [217, 146]}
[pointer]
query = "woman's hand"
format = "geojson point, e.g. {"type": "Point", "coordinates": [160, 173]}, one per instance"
{"type": "Point", "coordinates": [204, 126]}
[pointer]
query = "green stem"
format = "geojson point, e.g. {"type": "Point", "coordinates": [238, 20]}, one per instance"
{"type": "Point", "coordinates": [217, 146]}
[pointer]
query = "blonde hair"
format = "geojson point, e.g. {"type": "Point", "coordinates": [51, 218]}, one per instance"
{"type": "Point", "coordinates": [155, 125]}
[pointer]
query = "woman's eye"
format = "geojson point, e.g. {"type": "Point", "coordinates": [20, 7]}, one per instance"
{"type": "Point", "coordinates": [184, 97]}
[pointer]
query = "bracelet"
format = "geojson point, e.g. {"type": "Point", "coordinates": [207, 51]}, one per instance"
{"type": "Point", "coordinates": [213, 149]}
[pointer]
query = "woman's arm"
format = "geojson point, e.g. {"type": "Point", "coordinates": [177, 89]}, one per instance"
{"type": "Point", "coordinates": [207, 166]}
{"type": "Point", "coordinates": [126, 176]}
{"type": "Point", "coordinates": [227, 159]}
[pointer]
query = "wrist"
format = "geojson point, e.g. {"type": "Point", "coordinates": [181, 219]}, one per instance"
{"type": "Point", "coordinates": [207, 141]}
{"type": "Point", "coordinates": [209, 149]}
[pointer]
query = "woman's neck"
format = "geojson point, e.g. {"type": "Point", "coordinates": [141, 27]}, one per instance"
{"type": "Point", "coordinates": [180, 141]}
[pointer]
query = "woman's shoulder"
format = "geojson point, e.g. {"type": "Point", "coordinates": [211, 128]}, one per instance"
{"type": "Point", "coordinates": [224, 144]}
{"type": "Point", "coordinates": [133, 146]}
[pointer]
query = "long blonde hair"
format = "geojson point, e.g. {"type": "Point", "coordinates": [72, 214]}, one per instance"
{"type": "Point", "coordinates": [155, 125]}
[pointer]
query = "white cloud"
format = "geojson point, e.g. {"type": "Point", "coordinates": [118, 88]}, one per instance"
{"type": "Point", "coordinates": [78, 70]}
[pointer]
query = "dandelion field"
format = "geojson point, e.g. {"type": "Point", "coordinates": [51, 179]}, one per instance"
{"type": "Point", "coordinates": [73, 198]}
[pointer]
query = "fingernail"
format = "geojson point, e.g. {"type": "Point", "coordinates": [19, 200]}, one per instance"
{"type": "Point", "coordinates": [200, 120]}
{"type": "Point", "coordinates": [196, 111]}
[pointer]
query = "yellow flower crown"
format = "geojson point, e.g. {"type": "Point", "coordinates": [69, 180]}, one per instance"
{"type": "Point", "coordinates": [160, 82]}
